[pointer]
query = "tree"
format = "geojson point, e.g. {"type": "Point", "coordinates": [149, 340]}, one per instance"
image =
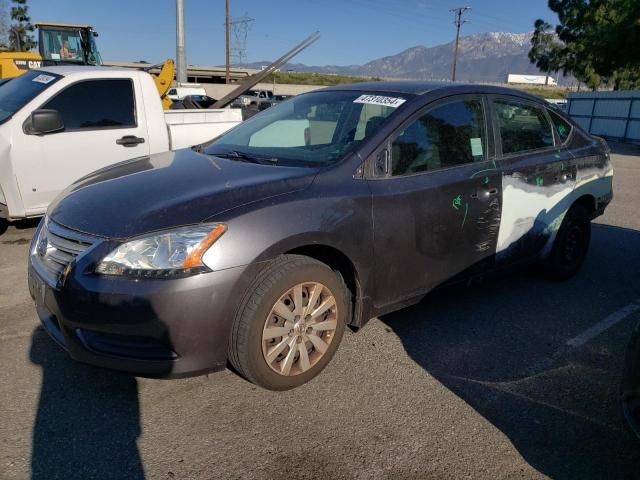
{"type": "Point", "coordinates": [545, 50]}
{"type": "Point", "coordinates": [595, 40]}
{"type": "Point", "coordinates": [20, 37]}
{"type": "Point", "coordinates": [5, 27]}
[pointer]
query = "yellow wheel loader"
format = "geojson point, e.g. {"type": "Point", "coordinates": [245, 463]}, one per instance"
{"type": "Point", "coordinates": [58, 43]}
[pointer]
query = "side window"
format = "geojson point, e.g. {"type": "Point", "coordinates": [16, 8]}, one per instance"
{"type": "Point", "coordinates": [172, 91]}
{"type": "Point", "coordinates": [448, 135]}
{"type": "Point", "coordinates": [561, 126]}
{"type": "Point", "coordinates": [523, 127]}
{"type": "Point", "coordinates": [96, 104]}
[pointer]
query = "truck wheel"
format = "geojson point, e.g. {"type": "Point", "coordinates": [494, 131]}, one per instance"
{"type": "Point", "coordinates": [570, 246]}
{"type": "Point", "coordinates": [290, 323]}
{"type": "Point", "coordinates": [4, 225]}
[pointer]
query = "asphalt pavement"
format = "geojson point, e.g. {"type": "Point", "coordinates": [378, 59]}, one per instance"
{"type": "Point", "coordinates": [515, 377]}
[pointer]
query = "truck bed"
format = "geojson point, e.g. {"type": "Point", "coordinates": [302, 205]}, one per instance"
{"type": "Point", "coordinates": [192, 127]}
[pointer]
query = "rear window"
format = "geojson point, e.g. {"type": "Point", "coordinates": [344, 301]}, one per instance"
{"type": "Point", "coordinates": [561, 127]}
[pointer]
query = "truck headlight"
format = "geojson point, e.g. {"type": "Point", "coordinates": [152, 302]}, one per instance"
{"type": "Point", "coordinates": [172, 253]}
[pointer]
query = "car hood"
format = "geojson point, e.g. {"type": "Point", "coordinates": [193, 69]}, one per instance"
{"type": "Point", "coordinates": [168, 190]}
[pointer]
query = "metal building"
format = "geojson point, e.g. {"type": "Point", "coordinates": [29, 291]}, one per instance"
{"type": "Point", "coordinates": [613, 115]}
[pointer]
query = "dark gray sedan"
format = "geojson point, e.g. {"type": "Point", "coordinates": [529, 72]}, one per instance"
{"type": "Point", "coordinates": [322, 212]}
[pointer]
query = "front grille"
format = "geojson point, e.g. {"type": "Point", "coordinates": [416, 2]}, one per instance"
{"type": "Point", "coordinates": [56, 247]}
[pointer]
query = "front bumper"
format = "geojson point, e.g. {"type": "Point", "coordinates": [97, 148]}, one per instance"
{"type": "Point", "coordinates": [148, 327]}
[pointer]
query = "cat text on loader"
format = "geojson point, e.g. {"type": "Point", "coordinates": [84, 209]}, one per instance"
{"type": "Point", "coordinates": [58, 44]}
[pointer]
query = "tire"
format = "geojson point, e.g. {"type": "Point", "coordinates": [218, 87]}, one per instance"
{"type": "Point", "coordinates": [4, 225]}
{"type": "Point", "coordinates": [290, 282]}
{"type": "Point", "coordinates": [570, 246]}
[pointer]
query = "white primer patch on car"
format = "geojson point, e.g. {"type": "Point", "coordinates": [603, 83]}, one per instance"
{"type": "Point", "coordinates": [393, 102]}
{"type": "Point", "coordinates": [43, 79]}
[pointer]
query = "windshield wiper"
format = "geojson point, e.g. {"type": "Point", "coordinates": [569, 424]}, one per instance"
{"type": "Point", "coordinates": [235, 154]}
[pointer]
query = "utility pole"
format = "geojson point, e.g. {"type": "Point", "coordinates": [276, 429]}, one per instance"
{"type": "Point", "coordinates": [227, 75]}
{"type": "Point", "coordinates": [458, 12]}
{"type": "Point", "coordinates": [181, 57]}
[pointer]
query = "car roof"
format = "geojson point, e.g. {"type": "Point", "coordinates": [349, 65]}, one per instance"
{"type": "Point", "coordinates": [71, 69]}
{"type": "Point", "coordinates": [415, 87]}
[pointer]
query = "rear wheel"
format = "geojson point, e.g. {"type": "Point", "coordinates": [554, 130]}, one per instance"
{"type": "Point", "coordinates": [4, 225]}
{"type": "Point", "coordinates": [570, 246]}
{"type": "Point", "coordinates": [290, 324]}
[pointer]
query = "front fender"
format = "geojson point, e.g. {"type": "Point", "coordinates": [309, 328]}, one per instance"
{"type": "Point", "coordinates": [260, 232]}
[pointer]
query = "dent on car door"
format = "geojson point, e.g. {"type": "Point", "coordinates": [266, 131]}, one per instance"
{"type": "Point", "coordinates": [436, 211]}
{"type": "Point", "coordinates": [539, 177]}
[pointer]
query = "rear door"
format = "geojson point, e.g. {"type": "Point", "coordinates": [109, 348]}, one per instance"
{"type": "Point", "coordinates": [102, 127]}
{"type": "Point", "coordinates": [539, 176]}
{"type": "Point", "coordinates": [436, 199]}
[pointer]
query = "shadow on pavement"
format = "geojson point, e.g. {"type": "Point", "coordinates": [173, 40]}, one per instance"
{"type": "Point", "coordinates": [502, 347]}
{"type": "Point", "coordinates": [19, 224]}
{"type": "Point", "coordinates": [88, 419]}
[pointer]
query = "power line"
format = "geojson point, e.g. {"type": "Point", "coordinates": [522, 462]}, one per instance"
{"type": "Point", "coordinates": [458, 12]}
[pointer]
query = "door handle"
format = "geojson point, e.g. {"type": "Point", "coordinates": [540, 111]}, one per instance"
{"type": "Point", "coordinates": [129, 141]}
{"type": "Point", "coordinates": [564, 177]}
{"type": "Point", "coordinates": [484, 194]}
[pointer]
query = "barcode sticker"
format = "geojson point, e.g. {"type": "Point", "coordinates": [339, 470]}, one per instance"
{"type": "Point", "coordinates": [393, 102]}
{"type": "Point", "coordinates": [44, 79]}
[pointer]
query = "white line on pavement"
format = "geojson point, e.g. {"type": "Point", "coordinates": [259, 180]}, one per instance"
{"type": "Point", "coordinates": [604, 324]}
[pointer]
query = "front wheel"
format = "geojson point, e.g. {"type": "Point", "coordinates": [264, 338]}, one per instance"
{"type": "Point", "coordinates": [570, 246]}
{"type": "Point", "coordinates": [290, 323]}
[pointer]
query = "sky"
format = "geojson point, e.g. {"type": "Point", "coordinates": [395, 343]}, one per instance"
{"type": "Point", "coordinates": [352, 31]}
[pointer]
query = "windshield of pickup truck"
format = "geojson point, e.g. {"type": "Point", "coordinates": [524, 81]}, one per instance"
{"type": "Point", "coordinates": [314, 129]}
{"type": "Point", "coordinates": [21, 90]}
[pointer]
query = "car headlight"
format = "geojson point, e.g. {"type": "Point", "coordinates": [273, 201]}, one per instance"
{"type": "Point", "coordinates": [172, 253]}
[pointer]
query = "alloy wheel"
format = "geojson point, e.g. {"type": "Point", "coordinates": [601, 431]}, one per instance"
{"type": "Point", "coordinates": [299, 328]}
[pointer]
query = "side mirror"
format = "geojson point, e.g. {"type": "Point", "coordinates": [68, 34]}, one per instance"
{"type": "Point", "coordinates": [42, 122]}
{"type": "Point", "coordinates": [381, 165]}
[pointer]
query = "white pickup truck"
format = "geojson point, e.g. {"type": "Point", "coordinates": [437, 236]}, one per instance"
{"type": "Point", "coordinates": [58, 124]}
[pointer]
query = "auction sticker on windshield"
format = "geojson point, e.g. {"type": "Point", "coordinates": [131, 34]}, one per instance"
{"type": "Point", "coordinates": [44, 79]}
{"type": "Point", "coordinates": [380, 100]}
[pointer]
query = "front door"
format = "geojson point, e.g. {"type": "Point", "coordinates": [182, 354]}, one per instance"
{"type": "Point", "coordinates": [102, 127]}
{"type": "Point", "coordinates": [436, 199]}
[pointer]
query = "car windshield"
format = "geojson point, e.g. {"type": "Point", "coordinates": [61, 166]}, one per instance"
{"type": "Point", "coordinates": [19, 91]}
{"type": "Point", "coordinates": [314, 129]}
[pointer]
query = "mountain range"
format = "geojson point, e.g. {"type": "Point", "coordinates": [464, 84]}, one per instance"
{"type": "Point", "coordinates": [484, 57]}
